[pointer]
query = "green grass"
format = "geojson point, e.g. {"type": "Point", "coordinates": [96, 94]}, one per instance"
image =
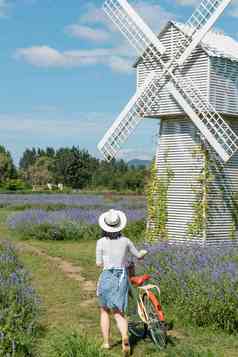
{"type": "Point", "coordinates": [66, 306]}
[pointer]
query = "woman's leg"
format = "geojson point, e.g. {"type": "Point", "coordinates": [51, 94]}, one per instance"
{"type": "Point", "coordinates": [105, 325]}
{"type": "Point", "coordinates": [122, 323]}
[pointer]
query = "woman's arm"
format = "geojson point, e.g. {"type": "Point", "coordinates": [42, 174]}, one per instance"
{"type": "Point", "coordinates": [99, 254]}
{"type": "Point", "coordinates": [138, 254]}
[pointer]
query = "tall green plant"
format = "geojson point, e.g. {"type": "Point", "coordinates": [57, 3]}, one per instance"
{"type": "Point", "coordinates": [197, 226]}
{"type": "Point", "coordinates": [157, 206]}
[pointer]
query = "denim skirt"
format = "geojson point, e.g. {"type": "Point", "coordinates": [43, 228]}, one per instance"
{"type": "Point", "coordinates": [112, 289]}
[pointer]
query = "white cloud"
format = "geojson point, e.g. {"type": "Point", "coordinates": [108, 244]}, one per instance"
{"type": "Point", "coordinates": [37, 125]}
{"type": "Point", "coordinates": [47, 57]}
{"type": "Point", "coordinates": [49, 128]}
{"type": "Point", "coordinates": [94, 26]}
{"type": "Point", "coordinates": [153, 14]}
{"type": "Point", "coordinates": [93, 14]}
{"type": "Point", "coordinates": [188, 2]}
{"type": "Point", "coordinates": [88, 33]}
{"type": "Point", "coordinates": [234, 9]}
{"type": "Point", "coordinates": [4, 7]}
{"type": "Point", "coordinates": [150, 11]}
{"type": "Point", "coordinates": [41, 56]}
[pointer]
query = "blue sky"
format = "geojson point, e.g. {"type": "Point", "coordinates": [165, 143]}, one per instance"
{"type": "Point", "coordinates": [66, 73]}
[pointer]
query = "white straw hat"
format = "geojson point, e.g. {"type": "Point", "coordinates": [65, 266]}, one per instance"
{"type": "Point", "coordinates": [112, 221]}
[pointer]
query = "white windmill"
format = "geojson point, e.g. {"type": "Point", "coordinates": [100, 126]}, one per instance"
{"type": "Point", "coordinates": [178, 82]}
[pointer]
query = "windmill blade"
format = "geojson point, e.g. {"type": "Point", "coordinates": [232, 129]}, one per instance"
{"type": "Point", "coordinates": [210, 123]}
{"type": "Point", "coordinates": [201, 21]}
{"type": "Point", "coordinates": [134, 28]}
{"type": "Point", "coordinates": [129, 118]}
{"type": "Point", "coordinates": [213, 127]}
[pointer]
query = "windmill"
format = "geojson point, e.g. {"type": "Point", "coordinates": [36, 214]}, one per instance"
{"type": "Point", "coordinates": [166, 74]}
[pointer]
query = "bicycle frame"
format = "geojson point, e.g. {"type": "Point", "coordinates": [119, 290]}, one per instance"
{"type": "Point", "coordinates": [138, 294]}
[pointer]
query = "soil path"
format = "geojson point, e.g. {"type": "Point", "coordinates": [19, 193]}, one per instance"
{"type": "Point", "coordinates": [70, 270]}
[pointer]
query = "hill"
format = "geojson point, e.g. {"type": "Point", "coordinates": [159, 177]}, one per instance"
{"type": "Point", "coordinates": [139, 162]}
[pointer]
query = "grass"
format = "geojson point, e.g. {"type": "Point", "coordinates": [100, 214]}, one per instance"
{"type": "Point", "coordinates": [67, 306]}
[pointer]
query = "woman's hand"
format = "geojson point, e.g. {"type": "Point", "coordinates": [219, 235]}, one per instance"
{"type": "Point", "coordinates": [143, 253]}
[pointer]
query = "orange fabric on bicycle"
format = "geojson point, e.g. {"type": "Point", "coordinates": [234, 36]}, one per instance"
{"type": "Point", "coordinates": [139, 280]}
{"type": "Point", "coordinates": [157, 305]}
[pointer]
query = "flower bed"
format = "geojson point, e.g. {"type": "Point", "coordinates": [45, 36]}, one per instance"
{"type": "Point", "coordinates": [89, 216]}
{"type": "Point", "coordinates": [199, 283]}
{"type": "Point", "coordinates": [70, 200]}
{"type": "Point", "coordinates": [70, 224]}
{"type": "Point", "coordinates": [19, 306]}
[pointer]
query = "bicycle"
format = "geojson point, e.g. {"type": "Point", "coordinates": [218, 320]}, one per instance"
{"type": "Point", "coordinates": [145, 313]}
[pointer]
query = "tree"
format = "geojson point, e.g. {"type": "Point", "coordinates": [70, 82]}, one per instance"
{"type": "Point", "coordinates": [50, 152]}
{"type": "Point", "coordinates": [7, 168]}
{"type": "Point", "coordinates": [135, 179]}
{"type": "Point", "coordinates": [78, 169]}
{"type": "Point", "coordinates": [41, 172]}
{"type": "Point", "coordinates": [28, 159]}
{"type": "Point", "coordinates": [75, 167]}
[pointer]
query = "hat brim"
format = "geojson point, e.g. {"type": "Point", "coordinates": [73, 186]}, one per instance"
{"type": "Point", "coordinates": [113, 229]}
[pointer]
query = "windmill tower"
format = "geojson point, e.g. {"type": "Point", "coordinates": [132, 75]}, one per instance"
{"type": "Point", "coordinates": [186, 77]}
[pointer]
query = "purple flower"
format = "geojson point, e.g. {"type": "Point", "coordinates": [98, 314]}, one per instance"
{"type": "Point", "coordinates": [89, 216]}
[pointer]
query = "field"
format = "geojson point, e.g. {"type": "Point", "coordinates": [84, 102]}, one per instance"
{"type": "Point", "coordinates": [64, 275]}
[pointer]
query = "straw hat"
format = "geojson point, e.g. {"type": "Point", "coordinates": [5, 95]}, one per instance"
{"type": "Point", "coordinates": [112, 221]}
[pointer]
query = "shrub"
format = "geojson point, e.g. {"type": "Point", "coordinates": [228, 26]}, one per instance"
{"type": "Point", "coordinates": [74, 231]}
{"type": "Point", "coordinates": [15, 185]}
{"type": "Point", "coordinates": [63, 231]}
{"type": "Point", "coordinates": [71, 344]}
{"type": "Point", "coordinates": [199, 283]}
{"type": "Point", "coordinates": [19, 306]}
{"type": "Point", "coordinates": [136, 230]}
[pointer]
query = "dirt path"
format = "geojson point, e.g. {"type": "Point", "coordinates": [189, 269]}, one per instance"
{"type": "Point", "coordinates": [70, 270]}
{"type": "Point", "coordinates": [75, 273]}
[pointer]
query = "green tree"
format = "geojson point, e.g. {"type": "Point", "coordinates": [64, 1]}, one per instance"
{"type": "Point", "coordinates": [7, 168]}
{"type": "Point", "coordinates": [41, 172]}
{"type": "Point", "coordinates": [28, 158]}
{"type": "Point", "coordinates": [78, 169]}
{"type": "Point", "coordinates": [74, 167]}
{"type": "Point", "coordinates": [50, 152]}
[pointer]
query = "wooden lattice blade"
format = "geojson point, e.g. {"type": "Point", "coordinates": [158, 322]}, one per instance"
{"type": "Point", "coordinates": [142, 102]}
{"type": "Point", "coordinates": [201, 21]}
{"type": "Point", "coordinates": [210, 123]}
{"type": "Point", "coordinates": [131, 25]}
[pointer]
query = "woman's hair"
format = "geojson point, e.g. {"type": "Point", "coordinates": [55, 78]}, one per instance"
{"type": "Point", "coordinates": [110, 235]}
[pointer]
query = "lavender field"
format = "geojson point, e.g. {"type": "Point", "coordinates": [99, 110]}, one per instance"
{"type": "Point", "coordinates": [72, 200]}
{"type": "Point", "coordinates": [89, 216]}
{"type": "Point", "coordinates": [199, 285]}
{"type": "Point", "coordinates": [19, 308]}
{"type": "Point", "coordinates": [54, 209]}
{"type": "Point", "coordinates": [199, 282]}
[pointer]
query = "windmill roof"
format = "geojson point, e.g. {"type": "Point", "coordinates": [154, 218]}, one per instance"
{"type": "Point", "coordinates": [215, 44]}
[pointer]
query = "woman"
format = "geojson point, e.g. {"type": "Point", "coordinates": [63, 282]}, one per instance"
{"type": "Point", "coordinates": [111, 254]}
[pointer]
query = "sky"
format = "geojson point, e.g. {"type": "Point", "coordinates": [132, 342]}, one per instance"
{"type": "Point", "coordinates": [66, 72]}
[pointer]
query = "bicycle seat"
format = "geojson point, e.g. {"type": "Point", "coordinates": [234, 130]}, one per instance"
{"type": "Point", "coordinates": [139, 280]}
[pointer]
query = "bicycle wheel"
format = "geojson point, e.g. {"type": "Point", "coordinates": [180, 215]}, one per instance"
{"type": "Point", "coordinates": [156, 327]}
{"type": "Point", "coordinates": [136, 326]}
